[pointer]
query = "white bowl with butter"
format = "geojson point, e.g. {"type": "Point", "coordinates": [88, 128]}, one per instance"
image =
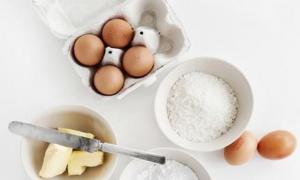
{"type": "Point", "coordinates": [72, 117]}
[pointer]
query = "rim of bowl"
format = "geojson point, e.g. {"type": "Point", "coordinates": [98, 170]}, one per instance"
{"type": "Point", "coordinates": [66, 108]}
{"type": "Point", "coordinates": [182, 152]}
{"type": "Point", "coordinates": [207, 148]}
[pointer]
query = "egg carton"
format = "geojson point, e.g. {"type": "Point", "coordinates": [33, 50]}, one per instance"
{"type": "Point", "coordinates": [69, 19]}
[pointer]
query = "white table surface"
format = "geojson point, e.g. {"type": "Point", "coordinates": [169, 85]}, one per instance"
{"type": "Point", "coordinates": [261, 37]}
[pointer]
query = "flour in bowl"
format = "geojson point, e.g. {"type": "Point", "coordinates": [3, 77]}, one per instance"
{"type": "Point", "coordinates": [172, 170]}
{"type": "Point", "coordinates": [201, 107]}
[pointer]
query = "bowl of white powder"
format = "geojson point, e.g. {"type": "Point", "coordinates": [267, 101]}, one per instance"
{"type": "Point", "coordinates": [179, 166]}
{"type": "Point", "coordinates": [203, 104]}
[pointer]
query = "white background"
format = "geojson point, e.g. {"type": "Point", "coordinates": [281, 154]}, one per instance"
{"type": "Point", "coordinates": [261, 37]}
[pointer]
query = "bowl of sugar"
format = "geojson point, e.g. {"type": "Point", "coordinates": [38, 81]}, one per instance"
{"type": "Point", "coordinates": [203, 104]}
{"type": "Point", "coordinates": [179, 165]}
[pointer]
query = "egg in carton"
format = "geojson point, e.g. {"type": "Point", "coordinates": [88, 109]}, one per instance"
{"type": "Point", "coordinates": [71, 19]}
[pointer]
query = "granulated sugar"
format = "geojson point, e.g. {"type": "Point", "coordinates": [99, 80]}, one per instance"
{"type": "Point", "coordinates": [201, 107]}
{"type": "Point", "coordinates": [172, 170]}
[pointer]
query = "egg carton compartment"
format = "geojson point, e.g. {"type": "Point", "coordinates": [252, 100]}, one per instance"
{"type": "Point", "coordinates": [72, 19]}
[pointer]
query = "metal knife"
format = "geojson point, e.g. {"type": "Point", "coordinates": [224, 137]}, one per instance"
{"type": "Point", "coordinates": [78, 142]}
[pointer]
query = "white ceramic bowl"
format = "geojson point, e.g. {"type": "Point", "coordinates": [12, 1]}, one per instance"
{"type": "Point", "coordinates": [73, 117]}
{"type": "Point", "coordinates": [137, 166]}
{"type": "Point", "coordinates": [221, 69]}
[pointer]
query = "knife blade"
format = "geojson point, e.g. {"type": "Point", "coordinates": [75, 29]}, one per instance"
{"type": "Point", "coordinates": [54, 136]}
{"type": "Point", "coordinates": [78, 142]}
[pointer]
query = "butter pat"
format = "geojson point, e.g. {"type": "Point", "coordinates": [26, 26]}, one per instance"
{"type": "Point", "coordinates": [57, 157]}
{"type": "Point", "coordinates": [77, 133]}
{"type": "Point", "coordinates": [75, 169]}
{"type": "Point", "coordinates": [80, 160]}
{"type": "Point", "coordinates": [55, 160]}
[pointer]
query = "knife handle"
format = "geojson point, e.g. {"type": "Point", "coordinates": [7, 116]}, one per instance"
{"type": "Point", "coordinates": [115, 149]}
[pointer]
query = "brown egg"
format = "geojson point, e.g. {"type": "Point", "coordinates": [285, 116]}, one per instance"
{"type": "Point", "coordinates": [138, 61]}
{"type": "Point", "coordinates": [241, 150]}
{"type": "Point", "coordinates": [88, 50]}
{"type": "Point", "coordinates": [277, 145]}
{"type": "Point", "coordinates": [117, 33]}
{"type": "Point", "coordinates": [108, 80]}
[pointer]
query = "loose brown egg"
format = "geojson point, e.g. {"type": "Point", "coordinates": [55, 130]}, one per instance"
{"type": "Point", "coordinates": [138, 61]}
{"type": "Point", "coordinates": [277, 145]}
{"type": "Point", "coordinates": [88, 50]}
{"type": "Point", "coordinates": [117, 33]}
{"type": "Point", "coordinates": [241, 150]}
{"type": "Point", "coordinates": [108, 80]}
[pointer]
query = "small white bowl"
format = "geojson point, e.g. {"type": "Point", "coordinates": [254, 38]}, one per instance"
{"type": "Point", "coordinates": [137, 166]}
{"type": "Point", "coordinates": [73, 117]}
{"type": "Point", "coordinates": [221, 69]}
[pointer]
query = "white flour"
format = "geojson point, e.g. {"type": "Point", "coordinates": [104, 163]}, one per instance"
{"type": "Point", "coordinates": [201, 107]}
{"type": "Point", "coordinates": [172, 170]}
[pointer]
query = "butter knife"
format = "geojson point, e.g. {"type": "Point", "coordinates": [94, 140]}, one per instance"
{"type": "Point", "coordinates": [78, 142]}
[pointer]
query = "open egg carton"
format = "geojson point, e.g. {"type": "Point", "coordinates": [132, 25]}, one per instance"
{"type": "Point", "coordinates": [70, 19]}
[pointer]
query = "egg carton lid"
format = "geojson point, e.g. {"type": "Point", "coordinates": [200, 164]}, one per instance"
{"type": "Point", "coordinates": [65, 17]}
